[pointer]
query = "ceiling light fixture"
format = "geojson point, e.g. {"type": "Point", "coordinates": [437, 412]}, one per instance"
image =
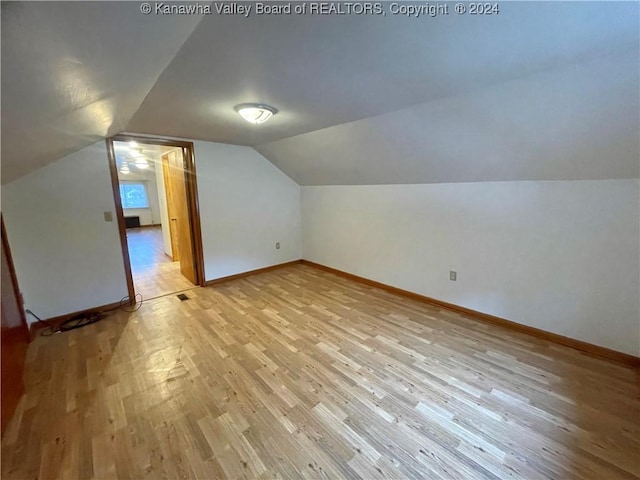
{"type": "Point", "coordinates": [124, 169]}
{"type": "Point", "coordinates": [255, 112]}
{"type": "Point", "coordinates": [142, 163]}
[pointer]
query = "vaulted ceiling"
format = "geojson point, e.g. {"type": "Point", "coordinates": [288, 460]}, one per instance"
{"type": "Point", "coordinates": [541, 91]}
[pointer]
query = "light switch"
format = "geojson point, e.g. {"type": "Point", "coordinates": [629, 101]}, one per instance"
{"type": "Point", "coordinates": [108, 217]}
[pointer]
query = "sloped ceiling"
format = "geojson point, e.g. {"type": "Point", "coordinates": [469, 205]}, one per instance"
{"type": "Point", "coordinates": [580, 122]}
{"type": "Point", "coordinates": [544, 90]}
{"type": "Point", "coordinates": [75, 72]}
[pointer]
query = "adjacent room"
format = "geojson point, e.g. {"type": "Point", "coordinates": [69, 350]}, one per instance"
{"type": "Point", "coordinates": [153, 200]}
{"type": "Point", "coordinates": [327, 240]}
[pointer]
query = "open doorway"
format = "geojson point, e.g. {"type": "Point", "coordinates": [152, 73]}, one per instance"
{"type": "Point", "coordinates": [156, 204]}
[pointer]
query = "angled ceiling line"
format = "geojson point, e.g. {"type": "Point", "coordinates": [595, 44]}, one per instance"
{"type": "Point", "coordinates": [168, 64]}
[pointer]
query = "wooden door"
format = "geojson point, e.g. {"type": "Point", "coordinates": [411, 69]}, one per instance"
{"type": "Point", "coordinates": [172, 209]}
{"type": "Point", "coordinates": [179, 212]}
{"type": "Point", "coordinates": [15, 337]}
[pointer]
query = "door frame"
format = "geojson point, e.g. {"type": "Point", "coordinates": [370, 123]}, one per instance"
{"type": "Point", "coordinates": [15, 343]}
{"type": "Point", "coordinates": [192, 201]}
{"type": "Point", "coordinates": [14, 281]}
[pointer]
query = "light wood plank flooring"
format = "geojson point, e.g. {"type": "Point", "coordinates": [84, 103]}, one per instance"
{"type": "Point", "coordinates": [154, 273]}
{"type": "Point", "coordinates": [299, 373]}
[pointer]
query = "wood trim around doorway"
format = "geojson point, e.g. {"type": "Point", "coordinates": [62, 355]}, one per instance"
{"type": "Point", "coordinates": [192, 200]}
{"type": "Point", "coordinates": [194, 210]}
{"type": "Point", "coordinates": [15, 338]}
{"type": "Point", "coordinates": [122, 229]}
{"type": "Point", "coordinates": [14, 281]}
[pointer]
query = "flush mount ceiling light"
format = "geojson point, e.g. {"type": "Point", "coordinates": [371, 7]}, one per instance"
{"type": "Point", "coordinates": [124, 169]}
{"type": "Point", "coordinates": [141, 162]}
{"type": "Point", "coordinates": [255, 112]}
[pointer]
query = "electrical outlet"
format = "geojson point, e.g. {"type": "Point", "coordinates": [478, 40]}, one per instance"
{"type": "Point", "coordinates": [108, 217]}
{"type": "Point", "coordinates": [453, 275]}
{"type": "Point", "coordinates": [277, 245]}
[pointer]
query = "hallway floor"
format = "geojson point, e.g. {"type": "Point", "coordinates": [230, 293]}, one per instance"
{"type": "Point", "coordinates": [154, 273]}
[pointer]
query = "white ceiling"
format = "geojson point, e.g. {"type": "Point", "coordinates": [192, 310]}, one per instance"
{"type": "Point", "coordinates": [127, 153]}
{"type": "Point", "coordinates": [151, 153]}
{"type": "Point", "coordinates": [544, 90]}
{"type": "Point", "coordinates": [75, 72]}
{"type": "Point", "coordinates": [579, 122]}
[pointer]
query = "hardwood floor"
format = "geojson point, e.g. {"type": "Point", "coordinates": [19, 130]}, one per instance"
{"type": "Point", "coordinates": [154, 273]}
{"type": "Point", "coordinates": [300, 373]}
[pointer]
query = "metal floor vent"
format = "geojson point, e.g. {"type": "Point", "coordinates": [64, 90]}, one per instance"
{"type": "Point", "coordinates": [182, 297]}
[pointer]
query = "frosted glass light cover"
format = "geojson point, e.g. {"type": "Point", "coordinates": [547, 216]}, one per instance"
{"type": "Point", "coordinates": [142, 163]}
{"type": "Point", "coordinates": [255, 113]}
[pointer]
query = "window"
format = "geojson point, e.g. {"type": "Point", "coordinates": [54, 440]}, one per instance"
{"type": "Point", "coordinates": [134, 195]}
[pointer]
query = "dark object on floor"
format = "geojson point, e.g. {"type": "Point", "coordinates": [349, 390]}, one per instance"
{"type": "Point", "coordinates": [132, 222]}
{"type": "Point", "coordinates": [182, 297]}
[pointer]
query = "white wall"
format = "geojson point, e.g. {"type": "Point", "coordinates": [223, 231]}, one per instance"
{"type": "Point", "coordinates": [560, 256]}
{"type": "Point", "coordinates": [246, 206]}
{"type": "Point", "coordinates": [67, 258]}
